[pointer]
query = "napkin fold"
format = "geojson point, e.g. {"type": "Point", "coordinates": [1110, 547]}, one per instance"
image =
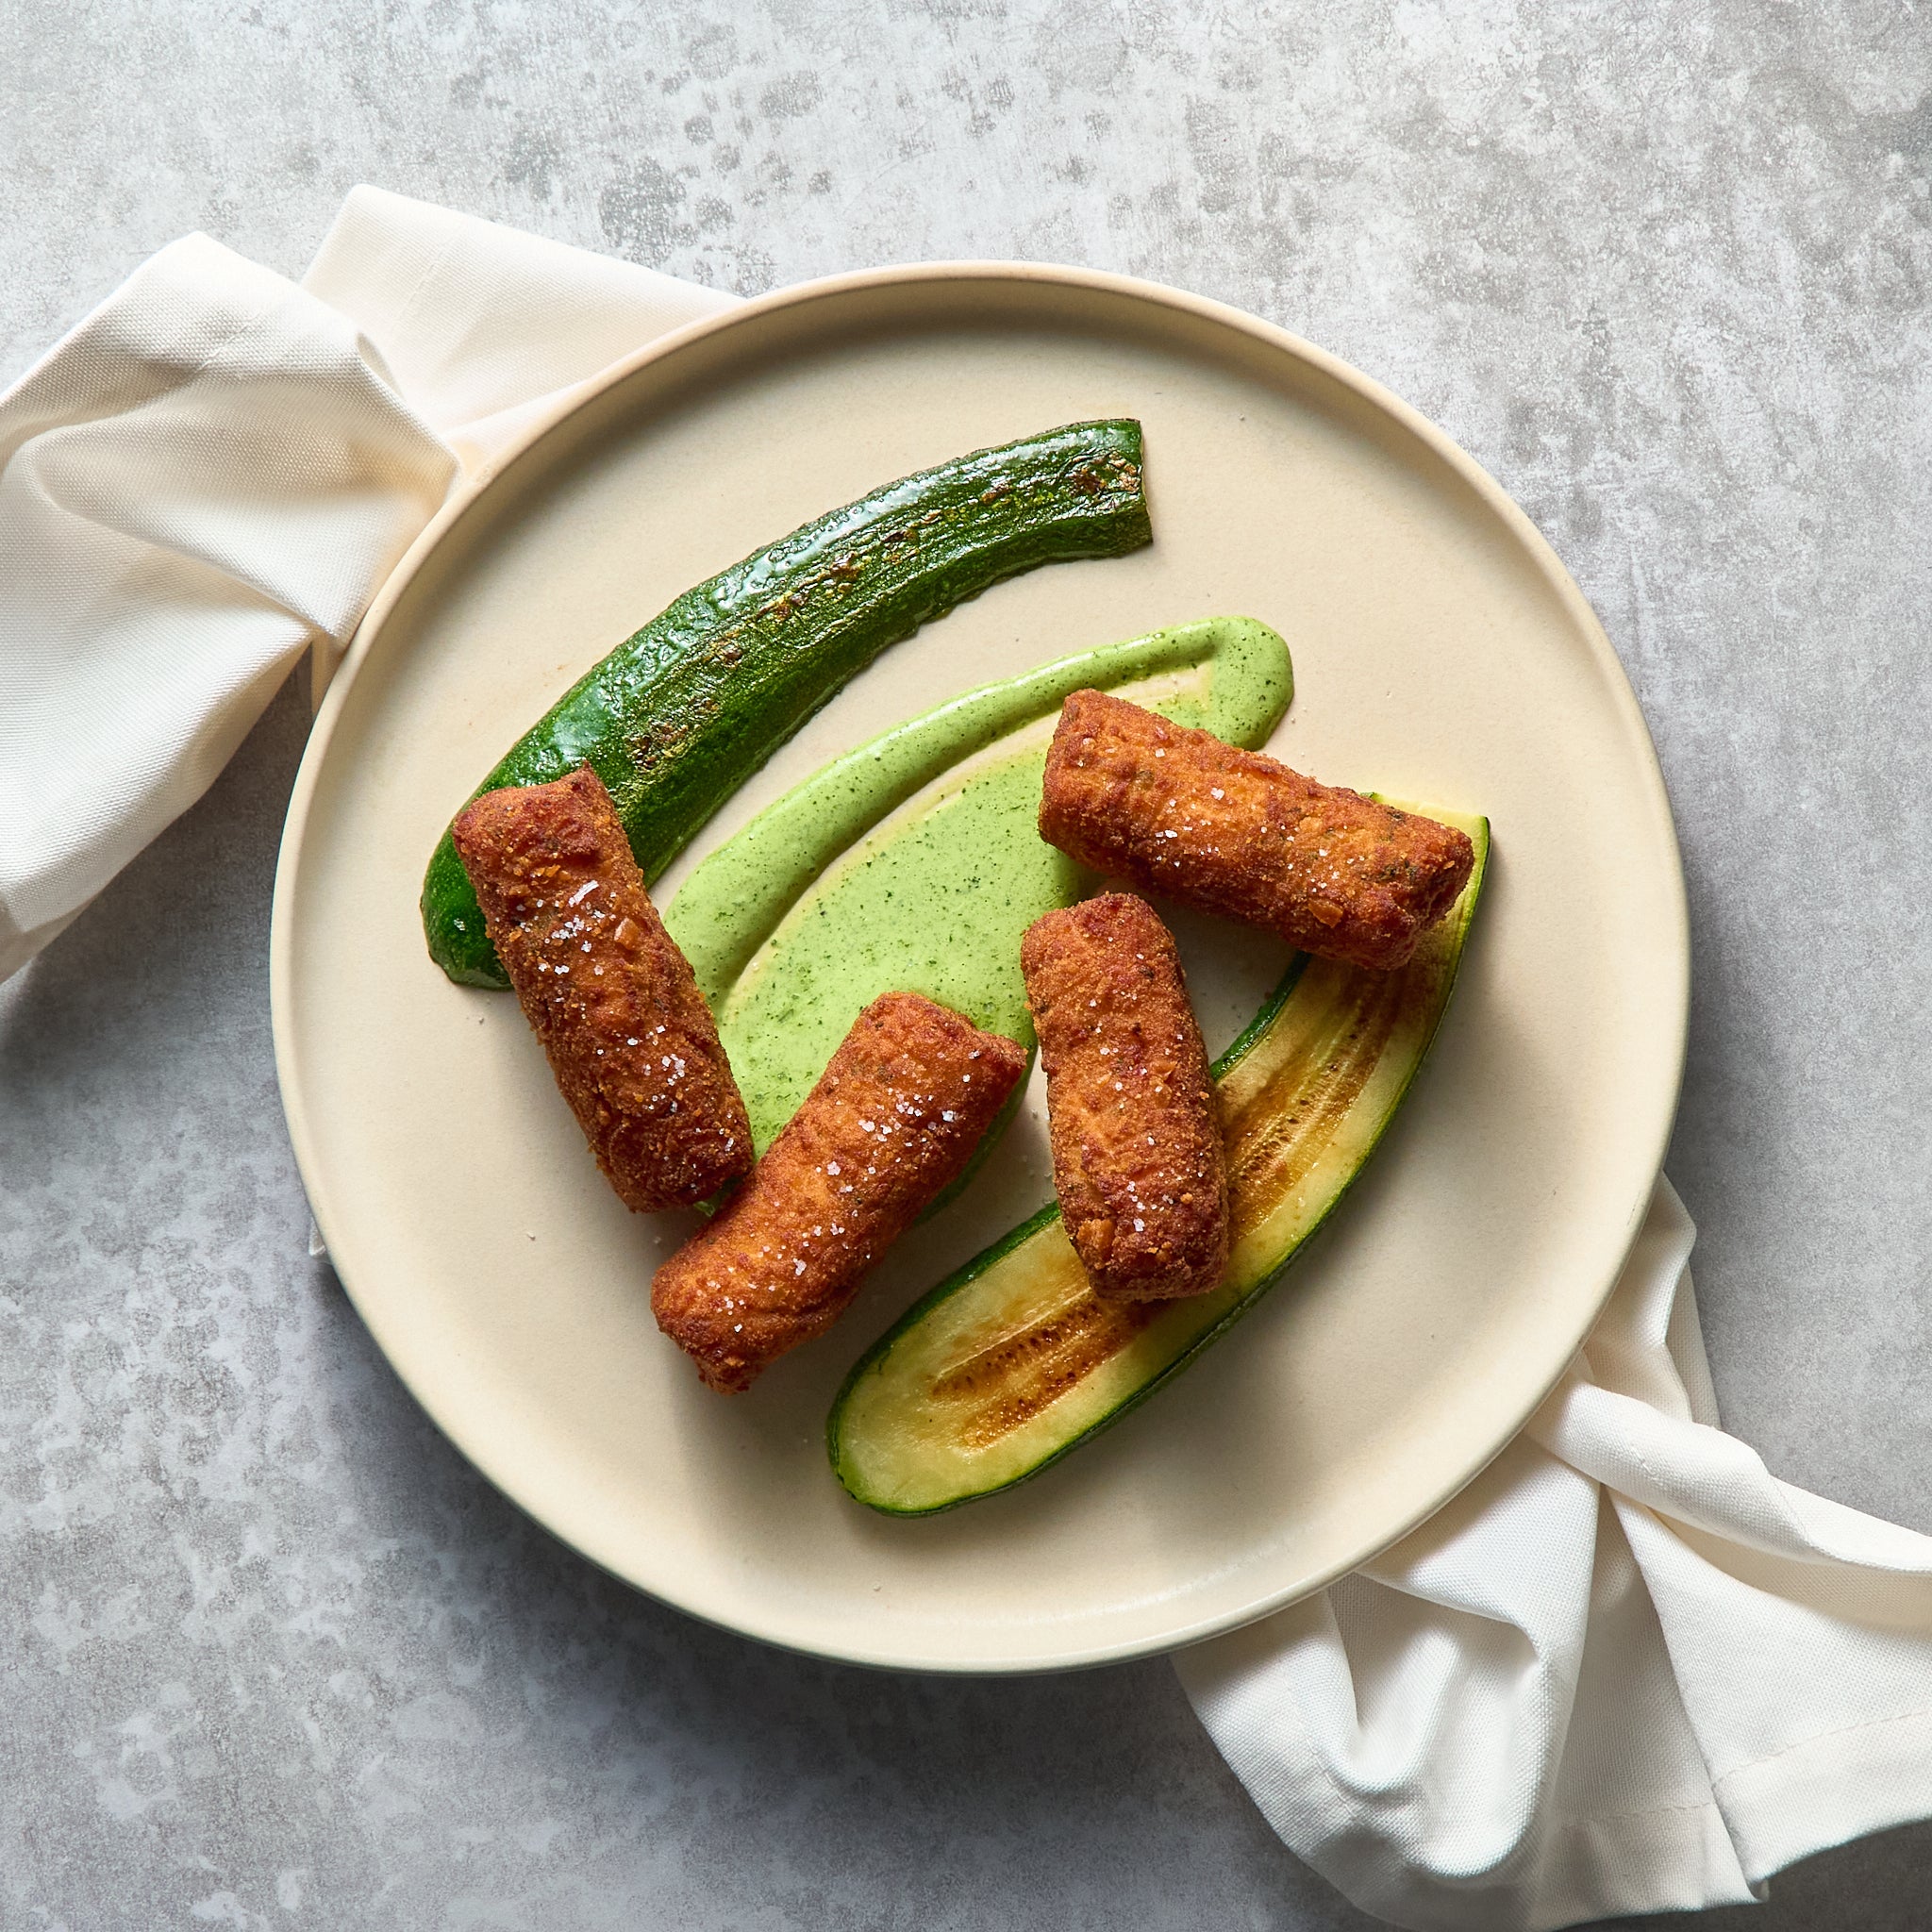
{"type": "Point", "coordinates": [218, 468]}
{"type": "Point", "coordinates": [1626, 1670]}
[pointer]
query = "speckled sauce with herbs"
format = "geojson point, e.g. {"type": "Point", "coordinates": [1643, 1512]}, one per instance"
{"type": "Point", "coordinates": [915, 862]}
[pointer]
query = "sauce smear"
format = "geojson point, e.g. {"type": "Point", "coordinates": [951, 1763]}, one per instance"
{"type": "Point", "coordinates": [915, 862]}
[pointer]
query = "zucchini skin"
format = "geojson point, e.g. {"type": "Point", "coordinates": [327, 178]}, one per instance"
{"type": "Point", "coordinates": [1255, 1036]}
{"type": "Point", "coordinates": [688, 707]}
{"type": "Point", "coordinates": [969, 1272]}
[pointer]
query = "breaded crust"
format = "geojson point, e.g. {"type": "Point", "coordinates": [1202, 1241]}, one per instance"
{"type": "Point", "coordinates": [891, 1122]}
{"type": "Point", "coordinates": [1178, 812]}
{"type": "Point", "coordinates": [1136, 1156]}
{"type": "Point", "coordinates": [614, 1002]}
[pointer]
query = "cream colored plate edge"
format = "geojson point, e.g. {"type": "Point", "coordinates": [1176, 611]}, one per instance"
{"type": "Point", "coordinates": [1441, 652]}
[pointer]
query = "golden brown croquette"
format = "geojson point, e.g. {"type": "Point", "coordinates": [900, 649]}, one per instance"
{"type": "Point", "coordinates": [1178, 812]}
{"type": "Point", "coordinates": [613, 1001]}
{"type": "Point", "coordinates": [1137, 1156]}
{"type": "Point", "coordinates": [893, 1121]}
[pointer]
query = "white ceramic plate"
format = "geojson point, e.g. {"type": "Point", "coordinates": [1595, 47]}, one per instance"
{"type": "Point", "coordinates": [1442, 654]}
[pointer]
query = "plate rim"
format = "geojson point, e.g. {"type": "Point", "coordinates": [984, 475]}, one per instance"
{"type": "Point", "coordinates": [473, 488]}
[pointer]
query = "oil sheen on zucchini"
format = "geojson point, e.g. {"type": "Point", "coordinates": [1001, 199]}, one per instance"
{"type": "Point", "coordinates": [1013, 1361]}
{"type": "Point", "coordinates": [681, 714]}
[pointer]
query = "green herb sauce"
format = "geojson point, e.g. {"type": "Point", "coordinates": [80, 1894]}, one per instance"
{"type": "Point", "coordinates": [915, 862]}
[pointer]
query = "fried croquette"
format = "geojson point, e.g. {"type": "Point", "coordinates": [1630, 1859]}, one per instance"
{"type": "Point", "coordinates": [613, 1001]}
{"type": "Point", "coordinates": [1232, 832]}
{"type": "Point", "coordinates": [1136, 1155]}
{"type": "Point", "coordinates": [891, 1122]}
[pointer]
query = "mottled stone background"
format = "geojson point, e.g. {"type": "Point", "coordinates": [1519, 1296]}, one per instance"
{"type": "Point", "coordinates": [273, 1654]}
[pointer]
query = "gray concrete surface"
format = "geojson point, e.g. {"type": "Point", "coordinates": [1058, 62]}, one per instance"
{"type": "Point", "coordinates": [271, 1654]}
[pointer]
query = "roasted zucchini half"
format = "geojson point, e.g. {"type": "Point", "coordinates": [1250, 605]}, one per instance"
{"type": "Point", "coordinates": [685, 710]}
{"type": "Point", "coordinates": [1013, 1361]}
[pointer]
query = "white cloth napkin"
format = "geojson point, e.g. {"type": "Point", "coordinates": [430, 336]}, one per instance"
{"type": "Point", "coordinates": [1626, 1670]}
{"type": "Point", "coordinates": [218, 468]}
